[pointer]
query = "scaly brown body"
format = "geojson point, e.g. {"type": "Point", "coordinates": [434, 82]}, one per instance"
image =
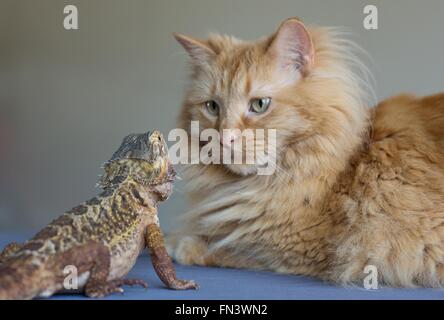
{"type": "Point", "coordinates": [101, 238]}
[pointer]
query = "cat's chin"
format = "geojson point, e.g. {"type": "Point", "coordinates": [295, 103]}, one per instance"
{"type": "Point", "coordinates": [242, 169]}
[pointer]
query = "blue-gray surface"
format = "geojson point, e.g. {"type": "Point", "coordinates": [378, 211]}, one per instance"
{"type": "Point", "coordinates": [222, 283]}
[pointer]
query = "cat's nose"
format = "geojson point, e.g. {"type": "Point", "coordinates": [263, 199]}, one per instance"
{"type": "Point", "coordinates": [227, 137]}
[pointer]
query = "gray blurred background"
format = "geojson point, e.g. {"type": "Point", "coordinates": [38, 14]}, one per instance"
{"type": "Point", "coordinates": [68, 97]}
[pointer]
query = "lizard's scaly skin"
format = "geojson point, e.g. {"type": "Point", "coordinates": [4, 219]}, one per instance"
{"type": "Point", "coordinates": [101, 237]}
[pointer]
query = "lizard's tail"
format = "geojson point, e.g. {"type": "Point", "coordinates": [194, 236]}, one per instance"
{"type": "Point", "coordinates": [19, 279]}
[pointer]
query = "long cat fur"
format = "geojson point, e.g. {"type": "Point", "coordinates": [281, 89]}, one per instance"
{"type": "Point", "coordinates": [355, 186]}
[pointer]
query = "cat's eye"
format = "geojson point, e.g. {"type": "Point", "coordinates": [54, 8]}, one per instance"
{"type": "Point", "coordinates": [260, 105]}
{"type": "Point", "coordinates": [212, 107]}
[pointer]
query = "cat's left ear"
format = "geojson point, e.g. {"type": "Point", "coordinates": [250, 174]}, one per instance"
{"type": "Point", "coordinates": [292, 46]}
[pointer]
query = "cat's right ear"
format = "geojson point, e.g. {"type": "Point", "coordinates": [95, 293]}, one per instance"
{"type": "Point", "coordinates": [292, 46]}
{"type": "Point", "coordinates": [199, 51]}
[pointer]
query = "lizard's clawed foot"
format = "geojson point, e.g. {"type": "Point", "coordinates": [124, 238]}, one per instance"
{"type": "Point", "coordinates": [184, 285]}
{"type": "Point", "coordinates": [115, 286]}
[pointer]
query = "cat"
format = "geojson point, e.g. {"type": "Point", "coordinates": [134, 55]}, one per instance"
{"type": "Point", "coordinates": [354, 186]}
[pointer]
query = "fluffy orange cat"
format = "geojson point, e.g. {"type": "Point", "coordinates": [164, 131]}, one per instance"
{"type": "Point", "coordinates": [355, 186]}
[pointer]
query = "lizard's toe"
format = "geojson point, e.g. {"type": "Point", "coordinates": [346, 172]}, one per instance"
{"type": "Point", "coordinates": [131, 282]}
{"type": "Point", "coordinates": [103, 289]}
{"type": "Point", "coordinates": [114, 286]}
{"type": "Point", "coordinates": [184, 285]}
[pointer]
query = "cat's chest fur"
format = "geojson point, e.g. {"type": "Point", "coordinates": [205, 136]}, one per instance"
{"type": "Point", "coordinates": [255, 222]}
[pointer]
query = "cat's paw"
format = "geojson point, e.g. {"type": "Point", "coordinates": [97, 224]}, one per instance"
{"type": "Point", "coordinates": [171, 244]}
{"type": "Point", "coordinates": [188, 250]}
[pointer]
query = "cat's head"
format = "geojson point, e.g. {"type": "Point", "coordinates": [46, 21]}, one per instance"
{"type": "Point", "coordinates": [294, 81]}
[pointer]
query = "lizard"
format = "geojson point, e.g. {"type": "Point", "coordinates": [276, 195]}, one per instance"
{"type": "Point", "coordinates": [103, 236]}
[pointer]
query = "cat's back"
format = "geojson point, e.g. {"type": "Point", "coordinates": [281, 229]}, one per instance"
{"type": "Point", "coordinates": [407, 119]}
{"type": "Point", "coordinates": [408, 134]}
{"type": "Point", "coordinates": [401, 174]}
{"type": "Point", "coordinates": [405, 156]}
{"type": "Point", "coordinates": [395, 200]}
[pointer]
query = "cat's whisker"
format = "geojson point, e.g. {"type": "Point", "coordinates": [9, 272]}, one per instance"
{"type": "Point", "coordinates": [282, 173]}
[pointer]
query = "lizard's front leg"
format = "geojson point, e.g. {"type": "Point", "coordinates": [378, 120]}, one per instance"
{"type": "Point", "coordinates": [9, 250]}
{"type": "Point", "coordinates": [162, 262]}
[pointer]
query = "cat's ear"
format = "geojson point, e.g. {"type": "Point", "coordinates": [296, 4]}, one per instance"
{"type": "Point", "coordinates": [198, 50]}
{"type": "Point", "coordinates": [292, 46]}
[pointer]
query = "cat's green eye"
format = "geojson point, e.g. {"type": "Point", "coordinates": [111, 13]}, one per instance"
{"type": "Point", "coordinates": [260, 105]}
{"type": "Point", "coordinates": [212, 107]}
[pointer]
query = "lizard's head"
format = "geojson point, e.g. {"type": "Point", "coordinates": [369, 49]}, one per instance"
{"type": "Point", "coordinates": [144, 158]}
{"type": "Point", "coordinates": [148, 146]}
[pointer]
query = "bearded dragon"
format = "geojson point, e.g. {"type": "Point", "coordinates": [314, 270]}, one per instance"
{"type": "Point", "coordinates": [103, 236]}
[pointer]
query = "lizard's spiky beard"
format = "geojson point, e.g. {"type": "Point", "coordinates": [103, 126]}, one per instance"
{"type": "Point", "coordinates": [141, 171]}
